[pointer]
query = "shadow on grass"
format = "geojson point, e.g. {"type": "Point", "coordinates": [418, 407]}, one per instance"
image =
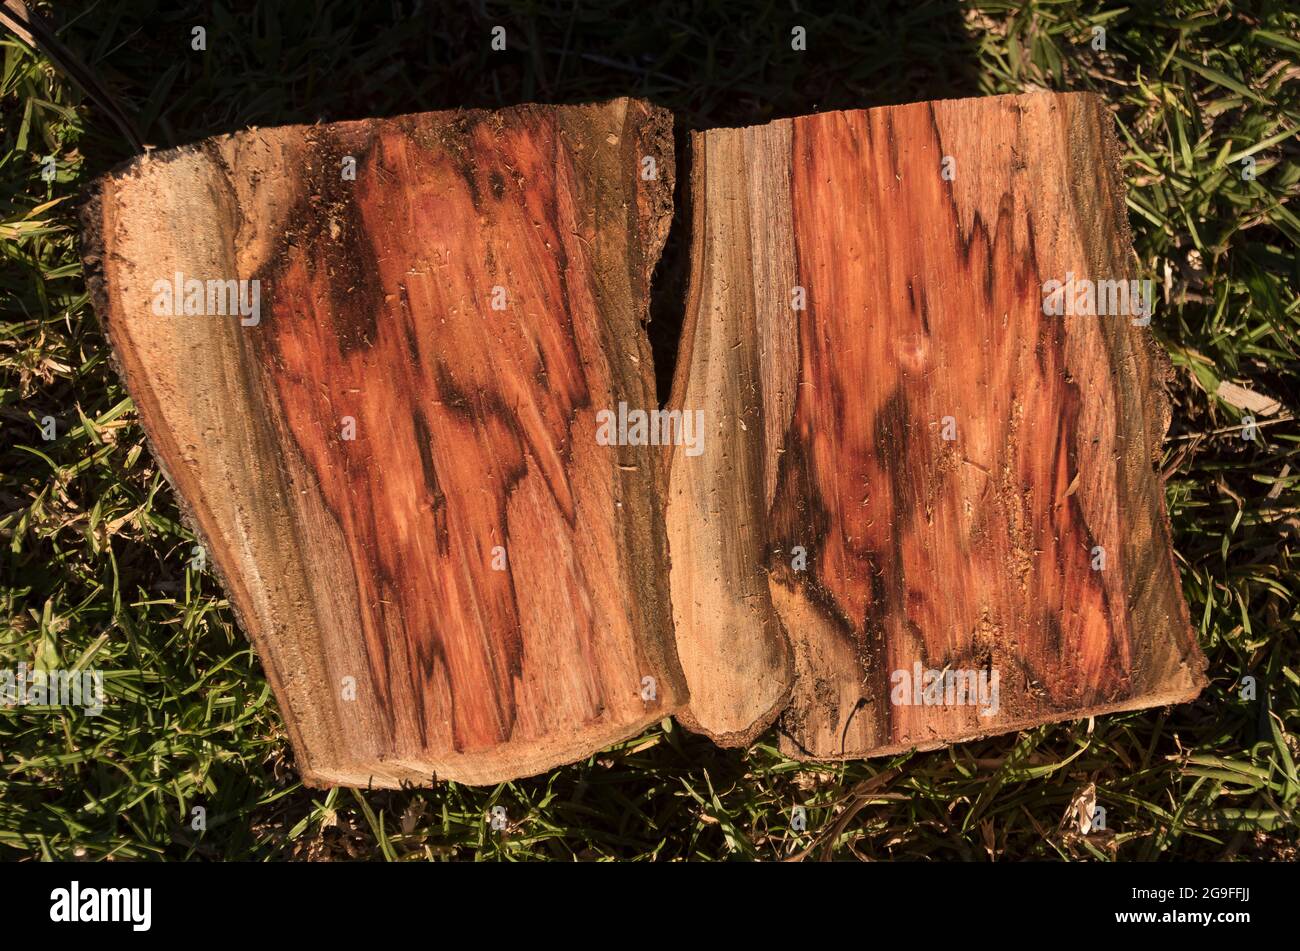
{"type": "Point", "coordinates": [732, 64]}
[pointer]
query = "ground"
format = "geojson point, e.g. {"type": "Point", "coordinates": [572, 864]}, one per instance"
{"type": "Point", "coordinates": [97, 570]}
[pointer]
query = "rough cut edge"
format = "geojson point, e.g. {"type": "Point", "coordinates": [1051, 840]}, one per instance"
{"type": "Point", "coordinates": [653, 214]}
{"type": "Point", "coordinates": [681, 378]}
{"type": "Point", "coordinates": [92, 262]}
{"type": "Point", "coordinates": [648, 129]}
{"type": "Point", "coordinates": [654, 197]}
{"type": "Point", "coordinates": [1160, 416]}
{"type": "Point", "coordinates": [791, 748]}
{"type": "Point", "coordinates": [476, 769]}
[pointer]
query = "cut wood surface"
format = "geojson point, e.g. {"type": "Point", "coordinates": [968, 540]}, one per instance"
{"type": "Point", "coordinates": [444, 574]}
{"type": "Point", "coordinates": [925, 510]}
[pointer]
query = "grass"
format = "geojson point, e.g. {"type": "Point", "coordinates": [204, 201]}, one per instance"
{"type": "Point", "coordinates": [96, 569]}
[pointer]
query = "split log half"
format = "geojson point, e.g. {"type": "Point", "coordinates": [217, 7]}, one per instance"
{"type": "Point", "coordinates": [926, 509]}
{"type": "Point", "coordinates": [390, 453]}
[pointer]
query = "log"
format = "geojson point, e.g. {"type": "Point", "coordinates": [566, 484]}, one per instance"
{"type": "Point", "coordinates": [926, 509]}
{"type": "Point", "coordinates": [388, 451]}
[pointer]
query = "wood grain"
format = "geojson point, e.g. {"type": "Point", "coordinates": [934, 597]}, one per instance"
{"type": "Point", "coordinates": [924, 317]}
{"type": "Point", "coordinates": [370, 560]}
